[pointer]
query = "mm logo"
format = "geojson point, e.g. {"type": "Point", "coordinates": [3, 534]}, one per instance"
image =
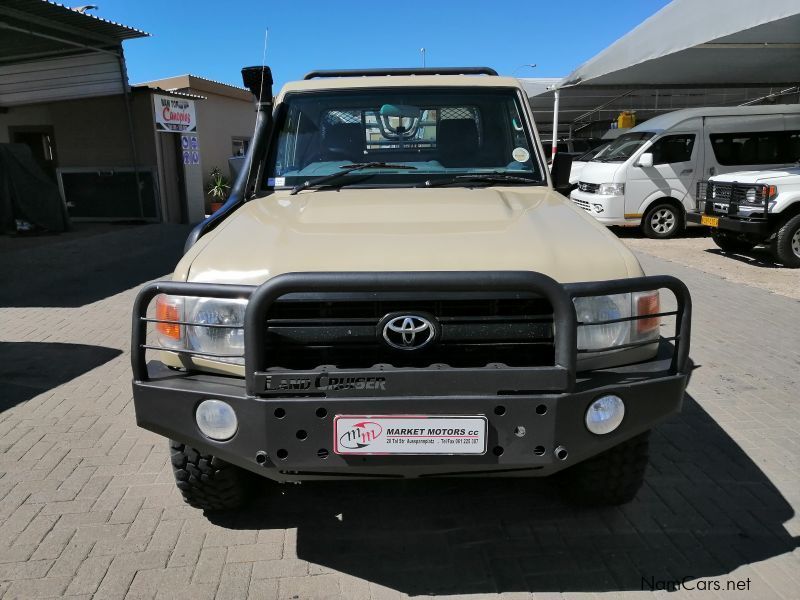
{"type": "Point", "coordinates": [360, 435]}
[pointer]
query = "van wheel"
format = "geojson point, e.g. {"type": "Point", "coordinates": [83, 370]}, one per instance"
{"type": "Point", "coordinates": [610, 478]}
{"type": "Point", "coordinates": [662, 221]}
{"type": "Point", "coordinates": [730, 243]}
{"type": "Point", "coordinates": [786, 245]}
{"type": "Point", "coordinates": [208, 482]}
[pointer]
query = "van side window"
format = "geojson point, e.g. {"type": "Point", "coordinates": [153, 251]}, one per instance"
{"type": "Point", "coordinates": [756, 148]}
{"type": "Point", "coordinates": [673, 149]}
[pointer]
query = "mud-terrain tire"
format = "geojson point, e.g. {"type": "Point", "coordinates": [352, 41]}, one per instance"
{"type": "Point", "coordinates": [610, 478]}
{"type": "Point", "coordinates": [786, 245]}
{"type": "Point", "coordinates": [729, 243]}
{"type": "Point", "coordinates": [208, 482]}
{"type": "Point", "coordinates": [662, 221]}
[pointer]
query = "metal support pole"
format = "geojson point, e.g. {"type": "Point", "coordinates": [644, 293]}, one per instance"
{"type": "Point", "coordinates": [555, 124]}
{"type": "Point", "coordinates": [131, 139]}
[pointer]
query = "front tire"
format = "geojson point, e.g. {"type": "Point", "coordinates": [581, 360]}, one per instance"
{"type": "Point", "coordinates": [610, 478]}
{"type": "Point", "coordinates": [662, 220]}
{"type": "Point", "coordinates": [208, 482]}
{"type": "Point", "coordinates": [786, 245]}
{"type": "Point", "coordinates": [730, 243]}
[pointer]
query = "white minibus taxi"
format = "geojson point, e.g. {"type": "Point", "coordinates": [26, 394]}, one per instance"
{"type": "Point", "coordinates": [648, 176]}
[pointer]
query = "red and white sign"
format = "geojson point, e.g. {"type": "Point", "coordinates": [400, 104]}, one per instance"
{"type": "Point", "coordinates": [174, 114]}
{"type": "Point", "coordinates": [409, 434]}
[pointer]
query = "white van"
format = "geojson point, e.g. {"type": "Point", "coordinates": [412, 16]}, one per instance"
{"type": "Point", "coordinates": [648, 175]}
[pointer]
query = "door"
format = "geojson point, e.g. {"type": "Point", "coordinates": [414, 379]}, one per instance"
{"type": "Point", "coordinates": [174, 180]}
{"type": "Point", "coordinates": [672, 175]}
{"type": "Point", "coordinates": [41, 141]}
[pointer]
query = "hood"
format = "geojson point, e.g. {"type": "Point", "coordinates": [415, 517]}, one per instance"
{"type": "Point", "coordinates": [441, 229]}
{"type": "Point", "coordinates": [575, 171]}
{"type": "Point", "coordinates": [759, 176]}
{"type": "Point", "coordinates": [600, 172]}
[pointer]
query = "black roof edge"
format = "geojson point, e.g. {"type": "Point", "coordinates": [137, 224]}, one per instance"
{"type": "Point", "coordinates": [402, 71]}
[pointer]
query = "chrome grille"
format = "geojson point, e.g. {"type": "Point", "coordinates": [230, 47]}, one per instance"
{"type": "Point", "coordinates": [589, 188]}
{"type": "Point", "coordinates": [584, 204]}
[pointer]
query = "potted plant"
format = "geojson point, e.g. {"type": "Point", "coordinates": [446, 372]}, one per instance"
{"type": "Point", "coordinates": [218, 189]}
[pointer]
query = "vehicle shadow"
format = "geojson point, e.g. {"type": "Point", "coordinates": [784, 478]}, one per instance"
{"type": "Point", "coordinates": [757, 257]}
{"type": "Point", "coordinates": [705, 510]}
{"type": "Point", "coordinates": [636, 233]}
{"type": "Point", "coordinates": [75, 271]}
{"type": "Point", "coordinates": [28, 369]}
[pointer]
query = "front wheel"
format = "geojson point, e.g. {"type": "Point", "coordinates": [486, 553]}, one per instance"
{"type": "Point", "coordinates": [730, 243]}
{"type": "Point", "coordinates": [663, 220]}
{"type": "Point", "coordinates": [208, 482]}
{"type": "Point", "coordinates": [786, 245]}
{"type": "Point", "coordinates": [610, 478]}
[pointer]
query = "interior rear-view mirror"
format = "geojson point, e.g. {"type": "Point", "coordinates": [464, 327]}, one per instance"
{"type": "Point", "coordinates": [401, 110]}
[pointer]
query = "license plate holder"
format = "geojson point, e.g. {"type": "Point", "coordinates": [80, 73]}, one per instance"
{"type": "Point", "coordinates": [410, 434]}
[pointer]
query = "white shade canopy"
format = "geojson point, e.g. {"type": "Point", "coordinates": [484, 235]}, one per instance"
{"type": "Point", "coordinates": [699, 43]}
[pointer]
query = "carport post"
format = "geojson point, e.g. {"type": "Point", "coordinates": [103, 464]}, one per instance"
{"type": "Point", "coordinates": [556, 93]}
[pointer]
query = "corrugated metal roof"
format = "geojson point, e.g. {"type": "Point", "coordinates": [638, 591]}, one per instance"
{"type": "Point", "coordinates": [59, 13]}
{"type": "Point", "coordinates": [169, 92]}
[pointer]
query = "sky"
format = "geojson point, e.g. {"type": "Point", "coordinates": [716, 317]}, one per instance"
{"type": "Point", "coordinates": [215, 39]}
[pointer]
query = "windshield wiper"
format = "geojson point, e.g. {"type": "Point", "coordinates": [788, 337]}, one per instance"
{"type": "Point", "coordinates": [345, 169]}
{"type": "Point", "coordinates": [481, 178]}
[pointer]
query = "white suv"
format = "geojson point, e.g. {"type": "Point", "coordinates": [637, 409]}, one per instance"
{"type": "Point", "coordinates": [753, 207]}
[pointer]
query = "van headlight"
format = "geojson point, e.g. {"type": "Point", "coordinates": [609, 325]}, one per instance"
{"type": "Point", "coordinates": [217, 326]}
{"type": "Point", "coordinates": [608, 313]}
{"type": "Point", "coordinates": [611, 189]}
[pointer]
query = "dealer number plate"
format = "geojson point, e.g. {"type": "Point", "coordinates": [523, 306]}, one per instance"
{"type": "Point", "coordinates": [409, 434]}
{"type": "Point", "coordinates": [710, 221]}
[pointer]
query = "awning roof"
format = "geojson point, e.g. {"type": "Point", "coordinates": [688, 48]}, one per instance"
{"type": "Point", "coordinates": [34, 29]}
{"type": "Point", "coordinates": [582, 106]}
{"type": "Point", "coordinates": [701, 44]}
{"type": "Point", "coordinates": [49, 52]}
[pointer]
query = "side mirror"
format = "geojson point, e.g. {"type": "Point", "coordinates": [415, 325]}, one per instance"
{"type": "Point", "coordinates": [559, 172]}
{"type": "Point", "coordinates": [645, 160]}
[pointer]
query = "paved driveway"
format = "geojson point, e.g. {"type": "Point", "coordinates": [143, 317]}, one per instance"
{"type": "Point", "coordinates": [88, 506]}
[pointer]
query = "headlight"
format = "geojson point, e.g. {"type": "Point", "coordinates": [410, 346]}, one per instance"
{"type": "Point", "coordinates": [606, 311]}
{"type": "Point", "coordinates": [611, 189]}
{"type": "Point", "coordinates": [217, 326]}
{"type": "Point", "coordinates": [758, 195]}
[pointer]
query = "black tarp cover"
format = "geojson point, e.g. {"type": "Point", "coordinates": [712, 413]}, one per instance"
{"type": "Point", "coordinates": [26, 192]}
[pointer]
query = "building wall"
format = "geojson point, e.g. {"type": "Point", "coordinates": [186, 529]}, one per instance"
{"type": "Point", "coordinates": [37, 114]}
{"type": "Point", "coordinates": [219, 119]}
{"type": "Point", "coordinates": [92, 131]}
{"type": "Point", "coordinates": [224, 113]}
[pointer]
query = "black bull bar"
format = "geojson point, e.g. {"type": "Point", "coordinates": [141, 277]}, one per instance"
{"type": "Point", "coordinates": [560, 376]}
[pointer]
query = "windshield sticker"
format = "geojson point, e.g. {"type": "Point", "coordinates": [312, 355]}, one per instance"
{"type": "Point", "coordinates": [276, 181]}
{"type": "Point", "coordinates": [521, 155]}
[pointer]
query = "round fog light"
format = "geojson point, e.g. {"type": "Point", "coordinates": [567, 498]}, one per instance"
{"type": "Point", "coordinates": [605, 414]}
{"type": "Point", "coordinates": [216, 419]}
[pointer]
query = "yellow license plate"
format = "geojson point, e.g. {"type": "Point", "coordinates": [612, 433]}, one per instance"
{"type": "Point", "coordinates": [710, 221]}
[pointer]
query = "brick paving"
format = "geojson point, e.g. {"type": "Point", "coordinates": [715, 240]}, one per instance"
{"type": "Point", "coordinates": [88, 507]}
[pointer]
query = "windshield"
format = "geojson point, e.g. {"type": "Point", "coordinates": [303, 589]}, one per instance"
{"type": "Point", "coordinates": [593, 153]}
{"type": "Point", "coordinates": [624, 146]}
{"type": "Point", "coordinates": [427, 135]}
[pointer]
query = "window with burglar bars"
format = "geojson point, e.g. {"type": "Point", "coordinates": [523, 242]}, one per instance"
{"type": "Point", "coordinates": [383, 133]}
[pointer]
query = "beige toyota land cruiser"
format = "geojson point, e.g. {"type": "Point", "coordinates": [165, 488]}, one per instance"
{"type": "Point", "coordinates": [396, 289]}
